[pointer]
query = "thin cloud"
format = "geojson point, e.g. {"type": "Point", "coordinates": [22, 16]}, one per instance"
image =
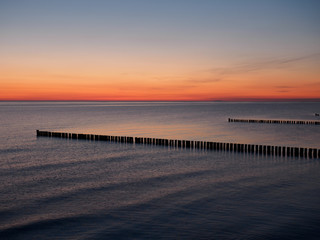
{"type": "Point", "coordinates": [283, 91]}
{"type": "Point", "coordinates": [209, 80]}
{"type": "Point", "coordinates": [261, 65]}
{"type": "Point", "coordinates": [284, 87]}
{"type": "Point", "coordinates": [313, 84]}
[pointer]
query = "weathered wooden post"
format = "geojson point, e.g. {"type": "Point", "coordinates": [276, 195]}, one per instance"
{"type": "Point", "coordinates": [314, 153]}
{"type": "Point", "coordinates": [284, 151]}
{"type": "Point", "coordinates": [296, 152]}
{"type": "Point", "coordinates": [306, 152]}
{"type": "Point", "coordinates": [260, 149]}
{"type": "Point", "coordinates": [215, 145]}
{"type": "Point", "coordinates": [250, 148]}
{"type": "Point", "coordinates": [268, 150]}
{"type": "Point", "coordinates": [228, 146]}
{"type": "Point", "coordinates": [276, 152]}
{"type": "Point", "coordinates": [291, 151]}
{"type": "Point", "coordinates": [301, 152]}
{"type": "Point", "coordinates": [288, 151]}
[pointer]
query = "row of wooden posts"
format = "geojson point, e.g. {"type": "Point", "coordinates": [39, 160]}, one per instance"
{"type": "Point", "coordinates": [307, 122]}
{"type": "Point", "coordinates": [235, 147]}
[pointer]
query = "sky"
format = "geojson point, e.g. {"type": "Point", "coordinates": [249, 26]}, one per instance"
{"type": "Point", "coordinates": [152, 50]}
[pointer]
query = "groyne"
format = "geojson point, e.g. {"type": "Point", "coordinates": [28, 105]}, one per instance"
{"type": "Point", "coordinates": [275, 121]}
{"type": "Point", "coordinates": [218, 146]}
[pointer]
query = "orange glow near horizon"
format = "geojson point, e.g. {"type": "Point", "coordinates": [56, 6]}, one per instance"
{"type": "Point", "coordinates": [27, 84]}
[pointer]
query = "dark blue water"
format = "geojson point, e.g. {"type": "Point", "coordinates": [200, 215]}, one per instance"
{"type": "Point", "coordinates": [76, 189]}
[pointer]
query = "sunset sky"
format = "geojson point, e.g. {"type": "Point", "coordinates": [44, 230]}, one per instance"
{"type": "Point", "coordinates": [234, 50]}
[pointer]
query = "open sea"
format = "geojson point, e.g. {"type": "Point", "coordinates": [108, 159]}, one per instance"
{"type": "Point", "coordinates": [76, 189]}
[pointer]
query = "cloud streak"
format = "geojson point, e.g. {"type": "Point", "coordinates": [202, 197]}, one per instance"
{"type": "Point", "coordinates": [261, 65]}
{"type": "Point", "coordinates": [284, 87]}
{"type": "Point", "coordinates": [205, 80]}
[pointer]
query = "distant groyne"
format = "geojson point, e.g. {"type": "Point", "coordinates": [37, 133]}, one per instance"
{"type": "Point", "coordinates": [275, 121]}
{"type": "Point", "coordinates": [219, 146]}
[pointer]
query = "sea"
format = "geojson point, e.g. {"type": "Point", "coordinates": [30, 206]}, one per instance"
{"type": "Point", "coordinates": [54, 188]}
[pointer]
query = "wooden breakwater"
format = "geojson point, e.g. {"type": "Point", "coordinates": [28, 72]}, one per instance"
{"type": "Point", "coordinates": [220, 146]}
{"type": "Point", "coordinates": [276, 121]}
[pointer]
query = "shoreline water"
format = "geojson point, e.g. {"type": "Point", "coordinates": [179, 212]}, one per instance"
{"type": "Point", "coordinates": [76, 189]}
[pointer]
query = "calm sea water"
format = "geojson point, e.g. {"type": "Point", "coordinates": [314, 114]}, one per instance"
{"type": "Point", "coordinates": [77, 189]}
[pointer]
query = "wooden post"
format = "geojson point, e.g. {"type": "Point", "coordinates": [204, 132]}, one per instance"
{"type": "Point", "coordinates": [228, 146]}
{"type": "Point", "coordinates": [283, 151]}
{"type": "Point", "coordinates": [215, 145]}
{"type": "Point", "coordinates": [260, 149]}
{"type": "Point", "coordinates": [306, 152]}
{"type": "Point", "coordinates": [296, 152]}
{"type": "Point", "coordinates": [314, 155]}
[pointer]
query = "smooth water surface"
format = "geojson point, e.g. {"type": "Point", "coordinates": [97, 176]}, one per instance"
{"type": "Point", "coordinates": [76, 189]}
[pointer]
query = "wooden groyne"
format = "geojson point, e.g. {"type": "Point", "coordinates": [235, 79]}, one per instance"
{"type": "Point", "coordinates": [220, 146]}
{"type": "Point", "coordinates": [304, 122]}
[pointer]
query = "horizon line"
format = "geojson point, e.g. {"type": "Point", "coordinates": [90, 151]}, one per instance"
{"type": "Point", "coordinates": [146, 100]}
